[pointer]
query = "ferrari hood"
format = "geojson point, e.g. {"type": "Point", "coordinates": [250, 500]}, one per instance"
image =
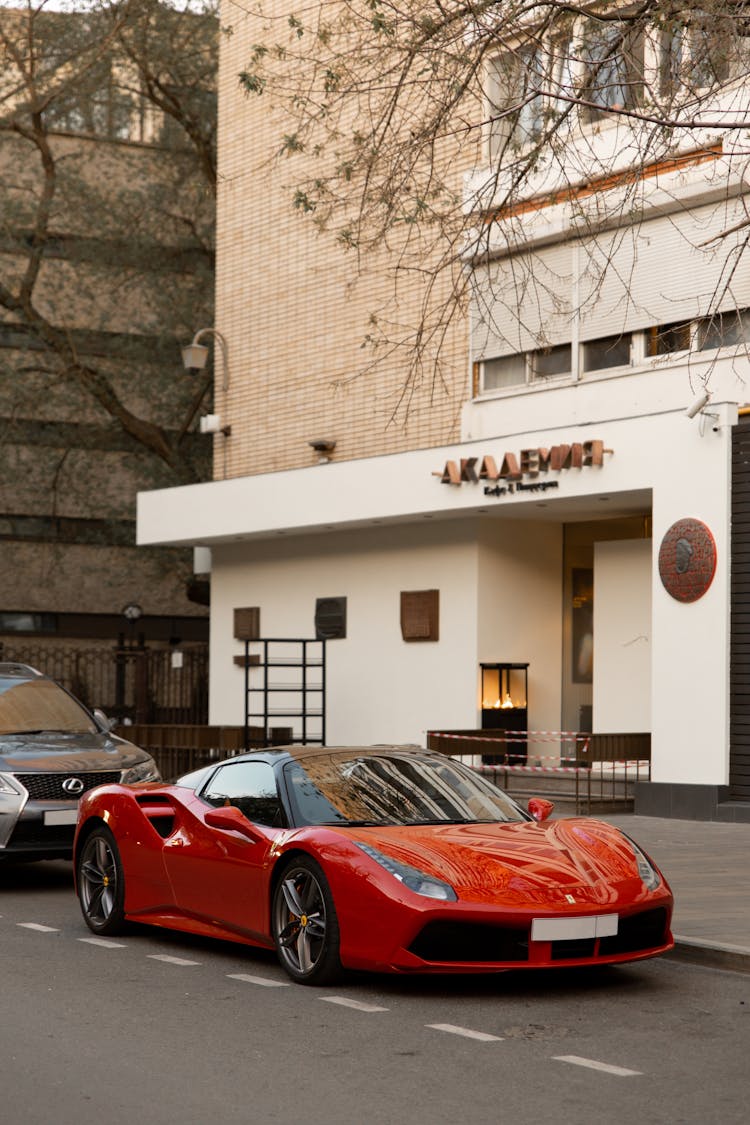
{"type": "Point", "coordinates": [569, 862]}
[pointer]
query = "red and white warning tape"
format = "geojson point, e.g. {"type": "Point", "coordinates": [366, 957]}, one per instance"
{"type": "Point", "coordinates": [520, 736]}
{"type": "Point", "coordinates": [555, 769]}
{"type": "Point", "coordinates": [533, 769]}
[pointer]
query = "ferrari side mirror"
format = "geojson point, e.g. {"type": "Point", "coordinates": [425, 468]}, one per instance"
{"type": "Point", "coordinates": [539, 808]}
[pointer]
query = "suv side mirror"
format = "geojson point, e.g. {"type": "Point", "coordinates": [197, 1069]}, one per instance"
{"type": "Point", "coordinates": [104, 723]}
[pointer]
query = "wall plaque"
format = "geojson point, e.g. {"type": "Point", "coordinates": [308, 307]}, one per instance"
{"type": "Point", "coordinates": [687, 560]}
{"type": "Point", "coordinates": [247, 623]}
{"type": "Point", "coordinates": [420, 615]}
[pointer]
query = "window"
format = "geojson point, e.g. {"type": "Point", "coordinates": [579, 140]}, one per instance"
{"type": "Point", "coordinates": [613, 60]}
{"type": "Point", "coordinates": [611, 351]}
{"type": "Point", "coordinates": [101, 107]}
{"type": "Point", "coordinates": [28, 622]}
{"type": "Point", "coordinates": [250, 787]}
{"type": "Point", "coordinates": [702, 49]}
{"type": "Point", "coordinates": [516, 84]}
{"type": "Point", "coordinates": [508, 371]}
{"type": "Point", "coordinates": [664, 339]}
{"type": "Point", "coordinates": [197, 105]}
{"type": "Point", "coordinates": [601, 61]}
{"type": "Point", "coordinates": [722, 330]}
{"type": "Point", "coordinates": [551, 361]}
{"type": "Point", "coordinates": [526, 367]}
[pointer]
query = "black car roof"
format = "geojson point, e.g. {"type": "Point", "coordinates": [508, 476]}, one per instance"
{"type": "Point", "coordinates": [299, 751]}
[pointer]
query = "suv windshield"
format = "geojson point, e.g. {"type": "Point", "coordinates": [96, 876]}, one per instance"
{"type": "Point", "coordinates": [40, 705]}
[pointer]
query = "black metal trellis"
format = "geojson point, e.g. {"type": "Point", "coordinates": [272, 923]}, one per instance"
{"type": "Point", "coordinates": [289, 711]}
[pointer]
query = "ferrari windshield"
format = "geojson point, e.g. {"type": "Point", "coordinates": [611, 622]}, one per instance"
{"type": "Point", "coordinates": [34, 706]}
{"type": "Point", "coordinates": [373, 788]}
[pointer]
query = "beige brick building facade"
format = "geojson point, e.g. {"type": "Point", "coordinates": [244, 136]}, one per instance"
{"type": "Point", "coordinates": [295, 308]}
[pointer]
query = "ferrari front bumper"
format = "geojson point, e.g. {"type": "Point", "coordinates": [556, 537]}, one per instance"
{"type": "Point", "coordinates": [464, 941]}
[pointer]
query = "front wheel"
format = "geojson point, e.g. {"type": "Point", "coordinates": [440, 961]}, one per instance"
{"type": "Point", "coordinates": [101, 883]}
{"type": "Point", "coordinates": [305, 926]}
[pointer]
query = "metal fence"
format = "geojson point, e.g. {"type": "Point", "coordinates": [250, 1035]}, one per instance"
{"type": "Point", "coordinates": [180, 747]}
{"type": "Point", "coordinates": [137, 683]}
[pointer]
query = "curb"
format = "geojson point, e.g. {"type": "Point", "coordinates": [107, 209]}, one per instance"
{"type": "Point", "coordinates": [712, 954]}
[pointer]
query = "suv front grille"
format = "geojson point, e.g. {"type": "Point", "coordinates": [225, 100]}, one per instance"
{"type": "Point", "coordinates": [48, 786]}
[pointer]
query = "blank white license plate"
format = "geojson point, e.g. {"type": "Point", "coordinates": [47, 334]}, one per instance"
{"type": "Point", "coordinates": [61, 816]}
{"type": "Point", "coordinates": [569, 929]}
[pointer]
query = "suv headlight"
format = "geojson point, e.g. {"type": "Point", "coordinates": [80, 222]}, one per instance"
{"type": "Point", "coordinates": [143, 772]}
{"type": "Point", "coordinates": [411, 877]}
{"type": "Point", "coordinates": [9, 786]}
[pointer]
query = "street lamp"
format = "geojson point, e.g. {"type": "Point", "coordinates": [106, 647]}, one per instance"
{"type": "Point", "coordinates": [195, 355]}
{"type": "Point", "coordinates": [194, 358]}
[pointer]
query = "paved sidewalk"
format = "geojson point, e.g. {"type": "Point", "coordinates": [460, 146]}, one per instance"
{"type": "Point", "coordinates": [707, 865]}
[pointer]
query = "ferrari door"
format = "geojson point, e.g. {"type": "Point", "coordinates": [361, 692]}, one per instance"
{"type": "Point", "coordinates": [218, 874]}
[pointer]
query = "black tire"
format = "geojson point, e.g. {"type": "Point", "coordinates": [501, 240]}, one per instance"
{"type": "Point", "coordinates": [304, 924]}
{"type": "Point", "coordinates": [101, 883]}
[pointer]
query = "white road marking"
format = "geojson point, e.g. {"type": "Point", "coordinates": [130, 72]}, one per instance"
{"type": "Point", "coordinates": [102, 942]}
{"type": "Point", "coordinates": [37, 926]}
{"type": "Point", "coordinates": [466, 1032]}
{"type": "Point", "coordinates": [357, 1004]}
{"type": "Point", "coordinates": [592, 1064]}
{"type": "Point", "coordinates": [171, 960]}
{"type": "Point", "coordinates": [264, 982]}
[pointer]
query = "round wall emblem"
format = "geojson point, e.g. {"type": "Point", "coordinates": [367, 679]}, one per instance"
{"type": "Point", "coordinates": [687, 560]}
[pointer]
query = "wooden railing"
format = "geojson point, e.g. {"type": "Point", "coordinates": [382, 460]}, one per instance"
{"type": "Point", "coordinates": [575, 748]}
{"type": "Point", "coordinates": [590, 769]}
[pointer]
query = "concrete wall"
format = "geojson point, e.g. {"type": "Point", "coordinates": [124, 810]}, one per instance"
{"type": "Point", "coordinates": [520, 609]}
{"type": "Point", "coordinates": [622, 636]}
{"type": "Point", "coordinates": [500, 599]}
{"type": "Point", "coordinates": [690, 685]}
{"type": "Point", "coordinates": [380, 688]}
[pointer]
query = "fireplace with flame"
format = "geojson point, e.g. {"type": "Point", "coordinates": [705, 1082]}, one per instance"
{"type": "Point", "coordinates": [504, 698]}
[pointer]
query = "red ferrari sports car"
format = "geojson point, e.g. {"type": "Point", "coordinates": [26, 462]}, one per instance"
{"type": "Point", "coordinates": [389, 859]}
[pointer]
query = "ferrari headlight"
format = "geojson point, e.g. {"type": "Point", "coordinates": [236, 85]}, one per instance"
{"type": "Point", "coordinates": [411, 877]}
{"type": "Point", "coordinates": [646, 870]}
{"type": "Point", "coordinates": [144, 771]}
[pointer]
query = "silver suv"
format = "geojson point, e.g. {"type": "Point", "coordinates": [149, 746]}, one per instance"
{"type": "Point", "coordinates": [52, 750]}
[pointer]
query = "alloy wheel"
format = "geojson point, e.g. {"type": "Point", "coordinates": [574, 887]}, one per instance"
{"type": "Point", "coordinates": [305, 925]}
{"type": "Point", "coordinates": [99, 881]}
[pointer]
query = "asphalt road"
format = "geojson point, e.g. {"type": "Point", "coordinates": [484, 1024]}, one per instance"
{"type": "Point", "coordinates": [164, 1029]}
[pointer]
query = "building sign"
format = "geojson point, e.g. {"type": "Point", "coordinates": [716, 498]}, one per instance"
{"type": "Point", "coordinates": [521, 472]}
{"type": "Point", "coordinates": [687, 560]}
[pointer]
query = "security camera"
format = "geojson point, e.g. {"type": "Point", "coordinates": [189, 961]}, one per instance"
{"type": "Point", "coordinates": [700, 402]}
{"type": "Point", "coordinates": [211, 424]}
